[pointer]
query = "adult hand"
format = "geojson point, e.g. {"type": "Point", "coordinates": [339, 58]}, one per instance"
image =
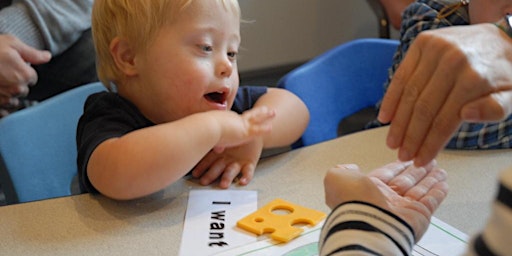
{"type": "Point", "coordinates": [16, 73]}
{"type": "Point", "coordinates": [449, 75]}
{"type": "Point", "coordinates": [412, 193]}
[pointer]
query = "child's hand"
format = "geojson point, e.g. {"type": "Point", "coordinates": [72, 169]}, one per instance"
{"type": "Point", "coordinates": [412, 193]}
{"type": "Point", "coordinates": [245, 127]}
{"type": "Point", "coordinates": [229, 164]}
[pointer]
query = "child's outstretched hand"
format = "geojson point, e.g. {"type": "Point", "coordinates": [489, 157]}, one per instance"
{"type": "Point", "coordinates": [412, 193]}
{"type": "Point", "coordinates": [239, 129]}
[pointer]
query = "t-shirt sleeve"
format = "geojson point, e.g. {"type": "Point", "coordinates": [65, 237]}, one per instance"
{"type": "Point", "coordinates": [246, 97]}
{"type": "Point", "coordinates": [106, 115]}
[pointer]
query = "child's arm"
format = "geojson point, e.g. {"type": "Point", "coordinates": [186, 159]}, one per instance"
{"type": "Point", "coordinates": [292, 117]}
{"type": "Point", "coordinates": [147, 160]}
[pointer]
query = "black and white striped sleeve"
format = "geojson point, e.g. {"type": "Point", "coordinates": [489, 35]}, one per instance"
{"type": "Point", "coordinates": [495, 238]}
{"type": "Point", "coordinates": [359, 228]}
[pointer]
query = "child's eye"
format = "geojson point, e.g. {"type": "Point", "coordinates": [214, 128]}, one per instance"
{"type": "Point", "coordinates": [206, 48]}
{"type": "Point", "coordinates": [232, 55]}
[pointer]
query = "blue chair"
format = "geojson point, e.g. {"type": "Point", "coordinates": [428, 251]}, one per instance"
{"type": "Point", "coordinates": [340, 82]}
{"type": "Point", "coordinates": [38, 147]}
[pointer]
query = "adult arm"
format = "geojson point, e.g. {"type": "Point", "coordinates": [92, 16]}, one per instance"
{"type": "Point", "coordinates": [52, 25]}
{"type": "Point", "coordinates": [449, 75]}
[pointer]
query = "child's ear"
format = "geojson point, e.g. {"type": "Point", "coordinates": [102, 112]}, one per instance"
{"type": "Point", "coordinates": [124, 56]}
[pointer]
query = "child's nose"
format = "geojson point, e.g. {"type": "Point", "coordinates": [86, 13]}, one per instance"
{"type": "Point", "coordinates": [224, 67]}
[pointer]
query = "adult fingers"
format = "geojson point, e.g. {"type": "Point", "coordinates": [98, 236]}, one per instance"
{"type": "Point", "coordinates": [448, 119]}
{"type": "Point", "coordinates": [30, 54]}
{"type": "Point", "coordinates": [396, 87]}
{"type": "Point", "coordinates": [430, 102]}
{"type": "Point", "coordinates": [17, 56]}
{"type": "Point", "coordinates": [15, 89]}
{"type": "Point", "coordinates": [9, 102]}
{"type": "Point", "coordinates": [15, 80]}
{"type": "Point", "coordinates": [425, 66]}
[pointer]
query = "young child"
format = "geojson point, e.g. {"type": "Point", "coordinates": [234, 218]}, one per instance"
{"type": "Point", "coordinates": [432, 14]}
{"type": "Point", "coordinates": [174, 104]}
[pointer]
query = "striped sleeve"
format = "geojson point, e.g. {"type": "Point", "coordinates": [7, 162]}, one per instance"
{"type": "Point", "coordinates": [495, 238]}
{"type": "Point", "coordinates": [364, 229]}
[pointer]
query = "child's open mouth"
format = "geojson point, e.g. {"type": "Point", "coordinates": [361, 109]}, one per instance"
{"type": "Point", "coordinates": [217, 97]}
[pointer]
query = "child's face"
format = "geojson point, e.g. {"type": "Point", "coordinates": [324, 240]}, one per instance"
{"type": "Point", "coordinates": [190, 66]}
{"type": "Point", "coordinates": [482, 11]}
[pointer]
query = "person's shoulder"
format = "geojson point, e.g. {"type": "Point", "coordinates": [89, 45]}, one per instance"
{"type": "Point", "coordinates": [105, 99]}
{"type": "Point", "coordinates": [109, 113]}
{"type": "Point", "coordinates": [110, 104]}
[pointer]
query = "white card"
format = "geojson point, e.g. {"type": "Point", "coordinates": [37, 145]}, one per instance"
{"type": "Point", "coordinates": [210, 221]}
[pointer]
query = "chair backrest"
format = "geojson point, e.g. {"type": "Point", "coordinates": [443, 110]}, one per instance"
{"type": "Point", "coordinates": [382, 18]}
{"type": "Point", "coordinates": [339, 83]}
{"type": "Point", "coordinates": [38, 147]}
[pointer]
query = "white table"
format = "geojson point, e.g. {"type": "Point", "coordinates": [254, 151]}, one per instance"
{"type": "Point", "coordinates": [94, 225]}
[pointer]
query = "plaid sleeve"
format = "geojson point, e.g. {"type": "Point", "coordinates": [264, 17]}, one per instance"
{"type": "Point", "coordinates": [483, 135]}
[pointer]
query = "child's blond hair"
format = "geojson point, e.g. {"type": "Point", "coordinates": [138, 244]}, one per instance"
{"type": "Point", "coordinates": [136, 21]}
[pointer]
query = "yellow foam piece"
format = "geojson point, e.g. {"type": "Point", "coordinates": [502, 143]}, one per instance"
{"type": "Point", "coordinates": [268, 220]}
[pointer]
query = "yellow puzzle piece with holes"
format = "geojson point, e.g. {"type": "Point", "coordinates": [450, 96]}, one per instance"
{"type": "Point", "coordinates": [268, 220]}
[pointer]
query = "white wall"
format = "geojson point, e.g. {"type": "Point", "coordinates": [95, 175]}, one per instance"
{"type": "Point", "coordinates": [290, 31]}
